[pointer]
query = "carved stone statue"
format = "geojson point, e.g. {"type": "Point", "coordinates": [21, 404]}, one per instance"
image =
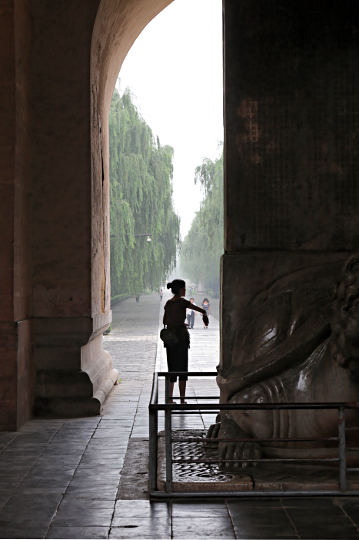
{"type": "Point", "coordinates": [299, 343]}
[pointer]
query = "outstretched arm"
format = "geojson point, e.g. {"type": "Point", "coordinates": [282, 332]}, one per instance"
{"type": "Point", "coordinates": [196, 308]}
{"type": "Point", "coordinates": [204, 313]}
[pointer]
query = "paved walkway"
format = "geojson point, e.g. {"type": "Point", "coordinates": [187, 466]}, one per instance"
{"type": "Point", "coordinates": [86, 478]}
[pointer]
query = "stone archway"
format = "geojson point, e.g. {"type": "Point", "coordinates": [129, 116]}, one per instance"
{"type": "Point", "coordinates": [116, 28]}
{"type": "Point", "coordinates": [291, 175]}
{"type": "Point", "coordinates": [60, 61]}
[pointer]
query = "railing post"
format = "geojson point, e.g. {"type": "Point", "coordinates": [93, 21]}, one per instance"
{"type": "Point", "coordinates": [167, 390]}
{"type": "Point", "coordinates": [342, 457]}
{"type": "Point", "coordinates": [168, 437]}
{"type": "Point", "coordinates": [153, 431]}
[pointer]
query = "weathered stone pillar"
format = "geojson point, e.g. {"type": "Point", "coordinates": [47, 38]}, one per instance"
{"type": "Point", "coordinates": [74, 373]}
{"type": "Point", "coordinates": [291, 144]}
{"type": "Point", "coordinates": [16, 327]}
{"type": "Point", "coordinates": [59, 62]}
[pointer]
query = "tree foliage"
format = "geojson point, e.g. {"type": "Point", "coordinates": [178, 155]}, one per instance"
{"type": "Point", "coordinates": [203, 245]}
{"type": "Point", "coordinates": [141, 173]}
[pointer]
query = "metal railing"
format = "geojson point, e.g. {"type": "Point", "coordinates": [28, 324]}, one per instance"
{"type": "Point", "coordinates": [207, 408]}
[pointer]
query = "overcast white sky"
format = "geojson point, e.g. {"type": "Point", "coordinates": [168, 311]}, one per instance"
{"type": "Point", "coordinates": [175, 71]}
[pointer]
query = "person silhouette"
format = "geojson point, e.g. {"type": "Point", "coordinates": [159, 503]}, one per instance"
{"type": "Point", "coordinates": [173, 318]}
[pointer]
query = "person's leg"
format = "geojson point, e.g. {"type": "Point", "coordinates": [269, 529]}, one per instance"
{"type": "Point", "coordinates": [183, 366]}
{"type": "Point", "coordinates": [182, 390]}
{"type": "Point", "coordinates": [171, 367]}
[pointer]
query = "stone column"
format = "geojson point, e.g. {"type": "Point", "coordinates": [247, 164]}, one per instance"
{"type": "Point", "coordinates": [16, 326]}
{"type": "Point", "coordinates": [59, 63]}
{"type": "Point", "coordinates": [291, 145]}
{"type": "Point", "coordinates": [74, 373]}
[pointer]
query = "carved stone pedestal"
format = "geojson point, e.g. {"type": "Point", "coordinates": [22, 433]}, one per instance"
{"type": "Point", "coordinates": [74, 373]}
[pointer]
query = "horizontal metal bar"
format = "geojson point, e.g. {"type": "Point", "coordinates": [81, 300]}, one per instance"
{"type": "Point", "coordinates": [224, 460]}
{"type": "Point", "coordinates": [352, 448]}
{"type": "Point", "coordinates": [352, 429]}
{"type": "Point", "coordinates": [180, 413]}
{"type": "Point", "coordinates": [196, 397]}
{"type": "Point", "coordinates": [198, 439]}
{"type": "Point", "coordinates": [252, 493]}
{"type": "Point", "coordinates": [351, 469]}
{"type": "Point", "coordinates": [254, 406]}
{"type": "Point", "coordinates": [168, 374]}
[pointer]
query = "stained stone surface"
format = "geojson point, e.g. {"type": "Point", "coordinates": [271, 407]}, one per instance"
{"type": "Point", "coordinates": [290, 159]}
{"type": "Point", "coordinates": [134, 476]}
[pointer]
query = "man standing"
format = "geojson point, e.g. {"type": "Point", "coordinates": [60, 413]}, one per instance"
{"type": "Point", "coordinates": [191, 313]}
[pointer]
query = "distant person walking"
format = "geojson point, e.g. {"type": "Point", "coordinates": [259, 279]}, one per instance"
{"type": "Point", "coordinates": [191, 313]}
{"type": "Point", "coordinates": [174, 318]}
{"type": "Point", "coordinates": [207, 307]}
{"type": "Point", "coordinates": [161, 294]}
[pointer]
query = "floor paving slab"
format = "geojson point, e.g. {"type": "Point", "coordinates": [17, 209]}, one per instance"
{"type": "Point", "coordinates": [351, 509]}
{"type": "Point", "coordinates": [248, 514]}
{"type": "Point", "coordinates": [140, 509]}
{"type": "Point", "coordinates": [322, 522]}
{"type": "Point", "coordinates": [12, 531]}
{"type": "Point", "coordinates": [26, 509]}
{"type": "Point", "coordinates": [84, 513]}
{"type": "Point", "coordinates": [202, 527]}
{"type": "Point", "coordinates": [142, 529]}
{"type": "Point", "coordinates": [4, 496]}
{"type": "Point", "coordinates": [105, 492]}
{"type": "Point", "coordinates": [202, 509]}
{"type": "Point", "coordinates": [75, 533]}
{"type": "Point", "coordinates": [257, 532]}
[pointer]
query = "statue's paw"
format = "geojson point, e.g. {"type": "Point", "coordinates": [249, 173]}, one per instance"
{"type": "Point", "coordinates": [232, 451]}
{"type": "Point", "coordinates": [213, 431]}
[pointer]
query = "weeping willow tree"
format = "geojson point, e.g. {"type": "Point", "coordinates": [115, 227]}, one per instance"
{"type": "Point", "coordinates": [141, 173]}
{"type": "Point", "coordinates": [203, 246]}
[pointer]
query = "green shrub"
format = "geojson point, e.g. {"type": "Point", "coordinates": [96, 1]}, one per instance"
{"type": "Point", "coordinates": [108, 331]}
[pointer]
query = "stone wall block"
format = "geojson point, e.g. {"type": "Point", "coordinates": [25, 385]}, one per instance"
{"type": "Point", "coordinates": [291, 102]}
{"type": "Point", "coordinates": [58, 358]}
{"type": "Point", "coordinates": [25, 371]}
{"type": "Point", "coordinates": [63, 407]}
{"type": "Point", "coordinates": [8, 336]}
{"type": "Point", "coordinates": [8, 417]}
{"type": "Point", "coordinates": [8, 391]}
{"type": "Point", "coordinates": [62, 383]}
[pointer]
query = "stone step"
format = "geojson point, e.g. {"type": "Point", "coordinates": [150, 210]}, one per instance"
{"type": "Point", "coordinates": [63, 407]}
{"type": "Point", "coordinates": [63, 383]}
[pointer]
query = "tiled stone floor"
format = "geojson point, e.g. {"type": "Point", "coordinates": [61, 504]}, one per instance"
{"type": "Point", "coordinates": [60, 478]}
